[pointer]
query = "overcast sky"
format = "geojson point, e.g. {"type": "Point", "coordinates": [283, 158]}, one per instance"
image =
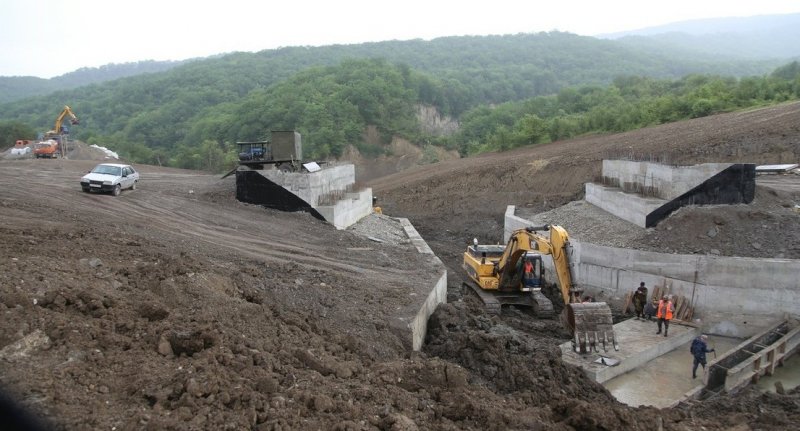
{"type": "Point", "coordinates": [47, 38]}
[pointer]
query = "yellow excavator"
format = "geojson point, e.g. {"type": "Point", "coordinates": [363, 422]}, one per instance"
{"type": "Point", "coordinates": [513, 274]}
{"type": "Point", "coordinates": [57, 134]}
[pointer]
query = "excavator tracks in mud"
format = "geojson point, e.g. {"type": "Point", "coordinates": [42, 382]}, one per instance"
{"type": "Point", "coordinates": [493, 301]}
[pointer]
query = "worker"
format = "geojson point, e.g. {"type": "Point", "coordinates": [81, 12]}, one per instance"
{"type": "Point", "coordinates": [699, 349]}
{"type": "Point", "coordinates": [650, 309]}
{"type": "Point", "coordinates": [639, 300]}
{"type": "Point", "coordinates": [528, 273]}
{"type": "Point", "coordinates": [664, 314]}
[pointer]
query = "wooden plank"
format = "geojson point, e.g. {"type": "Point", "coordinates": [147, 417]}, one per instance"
{"type": "Point", "coordinates": [628, 298]}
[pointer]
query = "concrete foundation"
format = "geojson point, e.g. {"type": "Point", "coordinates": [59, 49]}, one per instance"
{"type": "Point", "coordinates": [324, 193]}
{"type": "Point", "coordinates": [638, 345]}
{"type": "Point", "coordinates": [645, 193]}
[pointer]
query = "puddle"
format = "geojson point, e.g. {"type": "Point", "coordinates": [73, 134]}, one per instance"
{"type": "Point", "coordinates": [788, 374]}
{"type": "Point", "coordinates": [664, 380]}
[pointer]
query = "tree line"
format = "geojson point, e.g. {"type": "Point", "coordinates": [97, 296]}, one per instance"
{"type": "Point", "coordinates": [506, 91]}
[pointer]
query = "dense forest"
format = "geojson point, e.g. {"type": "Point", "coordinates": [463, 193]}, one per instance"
{"type": "Point", "coordinates": [505, 91]}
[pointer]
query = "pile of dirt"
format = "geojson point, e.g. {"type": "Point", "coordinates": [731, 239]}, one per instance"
{"type": "Point", "coordinates": [176, 307]}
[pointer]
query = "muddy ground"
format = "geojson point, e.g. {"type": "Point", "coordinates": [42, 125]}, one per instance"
{"type": "Point", "coordinates": [176, 307]}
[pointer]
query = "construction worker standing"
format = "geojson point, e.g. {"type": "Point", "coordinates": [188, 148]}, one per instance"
{"type": "Point", "coordinates": [664, 314]}
{"type": "Point", "coordinates": [639, 300]}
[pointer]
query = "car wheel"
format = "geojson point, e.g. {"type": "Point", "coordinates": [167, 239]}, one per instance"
{"type": "Point", "coordinates": [117, 190]}
{"type": "Point", "coordinates": [133, 186]}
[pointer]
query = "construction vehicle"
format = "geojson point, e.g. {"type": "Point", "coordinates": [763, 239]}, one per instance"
{"type": "Point", "coordinates": [47, 149]}
{"type": "Point", "coordinates": [284, 150]}
{"type": "Point", "coordinates": [54, 144]}
{"type": "Point", "coordinates": [498, 276]}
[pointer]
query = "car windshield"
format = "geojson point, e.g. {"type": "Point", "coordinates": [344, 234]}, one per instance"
{"type": "Point", "coordinates": [108, 170]}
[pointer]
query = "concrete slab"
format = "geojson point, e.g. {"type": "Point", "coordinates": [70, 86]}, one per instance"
{"type": "Point", "coordinates": [670, 373]}
{"type": "Point", "coordinates": [638, 345]}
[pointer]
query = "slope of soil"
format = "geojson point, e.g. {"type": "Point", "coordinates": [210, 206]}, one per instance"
{"type": "Point", "coordinates": [176, 307]}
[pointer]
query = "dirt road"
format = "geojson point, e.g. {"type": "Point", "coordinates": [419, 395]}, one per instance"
{"type": "Point", "coordinates": [176, 307]}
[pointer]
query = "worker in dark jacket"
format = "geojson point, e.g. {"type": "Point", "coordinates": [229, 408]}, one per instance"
{"type": "Point", "coordinates": [699, 349]}
{"type": "Point", "coordinates": [639, 300]}
{"type": "Point", "coordinates": [650, 309]}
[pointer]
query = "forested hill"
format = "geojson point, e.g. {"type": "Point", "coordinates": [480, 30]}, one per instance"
{"type": "Point", "coordinates": [755, 37]}
{"type": "Point", "coordinates": [329, 95]}
{"type": "Point", "coordinates": [21, 87]}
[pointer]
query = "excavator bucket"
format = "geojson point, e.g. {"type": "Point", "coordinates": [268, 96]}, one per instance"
{"type": "Point", "coordinates": [592, 326]}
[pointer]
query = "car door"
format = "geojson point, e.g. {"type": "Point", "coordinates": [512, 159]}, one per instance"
{"type": "Point", "coordinates": [127, 178]}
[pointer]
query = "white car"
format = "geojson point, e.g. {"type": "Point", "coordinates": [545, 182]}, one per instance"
{"type": "Point", "coordinates": [110, 177]}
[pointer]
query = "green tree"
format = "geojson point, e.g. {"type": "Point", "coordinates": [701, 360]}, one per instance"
{"type": "Point", "coordinates": [11, 131]}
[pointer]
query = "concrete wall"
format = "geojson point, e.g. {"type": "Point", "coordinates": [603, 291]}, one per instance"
{"type": "Point", "coordinates": [438, 294]}
{"type": "Point", "coordinates": [627, 206]}
{"type": "Point", "coordinates": [735, 293]}
{"type": "Point", "coordinates": [311, 186]}
{"type": "Point", "coordinates": [348, 210]}
{"type": "Point", "coordinates": [670, 182]}
{"type": "Point", "coordinates": [669, 188]}
{"type": "Point", "coordinates": [302, 191]}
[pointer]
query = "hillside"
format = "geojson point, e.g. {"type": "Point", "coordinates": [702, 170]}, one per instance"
{"type": "Point", "coordinates": [21, 87]}
{"type": "Point", "coordinates": [176, 307]}
{"type": "Point", "coordinates": [199, 100]}
{"type": "Point", "coordinates": [755, 37]}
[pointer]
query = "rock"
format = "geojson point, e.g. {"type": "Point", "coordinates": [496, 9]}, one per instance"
{"type": "Point", "coordinates": [322, 403]}
{"type": "Point", "coordinates": [36, 340]}
{"type": "Point", "coordinates": [712, 233]}
{"type": "Point", "coordinates": [164, 348]}
{"type": "Point", "coordinates": [193, 388]}
{"type": "Point", "coordinates": [756, 245]}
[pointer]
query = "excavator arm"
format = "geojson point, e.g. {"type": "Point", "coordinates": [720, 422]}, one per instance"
{"type": "Point", "coordinates": [589, 323]}
{"type": "Point", "coordinates": [60, 119]}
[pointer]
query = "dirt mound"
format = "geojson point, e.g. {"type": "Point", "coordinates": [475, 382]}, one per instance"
{"type": "Point", "coordinates": [176, 307]}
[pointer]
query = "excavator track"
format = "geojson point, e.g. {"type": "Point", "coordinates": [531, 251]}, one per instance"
{"type": "Point", "coordinates": [493, 301]}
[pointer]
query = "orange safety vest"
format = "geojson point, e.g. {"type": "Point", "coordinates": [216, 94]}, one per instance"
{"type": "Point", "coordinates": [528, 267]}
{"type": "Point", "coordinates": [664, 310]}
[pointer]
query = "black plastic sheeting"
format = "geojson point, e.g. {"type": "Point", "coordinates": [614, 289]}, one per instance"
{"type": "Point", "coordinates": [254, 188]}
{"type": "Point", "coordinates": [734, 185]}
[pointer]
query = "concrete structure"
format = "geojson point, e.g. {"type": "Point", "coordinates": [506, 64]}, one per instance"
{"type": "Point", "coordinates": [326, 193]}
{"type": "Point", "coordinates": [730, 294]}
{"type": "Point", "coordinates": [438, 294]}
{"type": "Point", "coordinates": [753, 358]}
{"type": "Point", "coordinates": [638, 345]}
{"type": "Point", "coordinates": [644, 193]}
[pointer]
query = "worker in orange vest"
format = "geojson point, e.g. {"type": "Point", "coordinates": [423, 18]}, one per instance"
{"type": "Point", "coordinates": [664, 314]}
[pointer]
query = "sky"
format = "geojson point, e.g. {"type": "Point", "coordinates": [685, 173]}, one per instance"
{"type": "Point", "coordinates": [47, 38]}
